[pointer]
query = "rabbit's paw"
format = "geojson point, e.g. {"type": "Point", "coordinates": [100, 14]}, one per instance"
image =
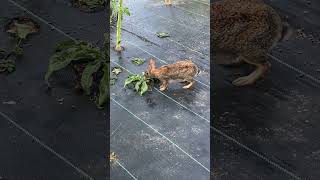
{"type": "Point", "coordinates": [162, 88]}
{"type": "Point", "coordinates": [245, 80]}
{"type": "Point", "coordinates": [188, 86]}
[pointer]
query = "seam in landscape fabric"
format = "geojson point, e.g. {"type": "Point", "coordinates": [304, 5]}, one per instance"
{"type": "Point", "coordinates": [133, 177]}
{"type": "Point", "coordinates": [45, 146]}
{"type": "Point", "coordinates": [216, 130]}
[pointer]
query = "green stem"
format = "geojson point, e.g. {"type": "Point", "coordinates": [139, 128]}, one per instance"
{"type": "Point", "coordinates": [119, 24]}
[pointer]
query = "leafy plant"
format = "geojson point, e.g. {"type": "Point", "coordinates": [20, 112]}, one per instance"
{"type": "Point", "coordinates": [138, 61]}
{"type": "Point", "coordinates": [140, 83]}
{"type": "Point", "coordinates": [7, 65]}
{"type": "Point", "coordinates": [70, 52]}
{"type": "Point", "coordinates": [90, 4]}
{"type": "Point", "coordinates": [113, 10]}
{"type": "Point", "coordinates": [163, 34]}
{"type": "Point", "coordinates": [121, 10]}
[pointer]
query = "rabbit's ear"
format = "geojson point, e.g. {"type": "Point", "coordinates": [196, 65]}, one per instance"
{"type": "Point", "coordinates": [152, 64]}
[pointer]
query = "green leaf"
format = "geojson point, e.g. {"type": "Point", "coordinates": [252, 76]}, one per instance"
{"type": "Point", "coordinates": [2, 51]}
{"type": "Point", "coordinates": [104, 87]}
{"type": "Point", "coordinates": [86, 78]}
{"type": "Point", "coordinates": [163, 34]}
{"type": "Point", "coordinates": [137, 86]}
{"type": "Point", "coordinates": [126, 11]}
{"type": "Point", "coordinates": [113, 81]}
{"type": "Point", "coordinates": [116, 70]}
{"type": "Point", "coordinates": [138, 61]}
{"type": "Point", "coordinates": [132, 78]}
{"type": "Point", "coordinates": [18, 50]}
{"type": "Point", "coordinates": [144, 88]}
{"type": "Point", "coordinates": [7, 65]}
{"type": "Point", "coordinates": [64, 45]}
{"type": "Point", "coordinates": [72, 52]}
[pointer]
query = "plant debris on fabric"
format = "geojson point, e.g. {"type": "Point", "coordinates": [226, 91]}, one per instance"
{"type": "Point", "coordinates": [140, 83]}
{"type": "Point", "coordinates": [21, 27]}
{"type": "Point", "coordinates": [138, 61]}
{"type": "Point", "coordinates": [91, 64]}
{"type": "Point", "coordinates": [113, 158]}
{"type": "Point", "coordinates": [7, 65]}
{"type": "Point", "coordinates": [116, 70]}
{"type": "Point", "coordinates": [163, 34]}
{"type": "Point", "coordinates": [89, 5]}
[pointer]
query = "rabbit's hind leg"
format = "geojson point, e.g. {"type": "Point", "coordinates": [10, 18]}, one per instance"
{"type": "Point", "coordinates": [261, 67]}
{"type": "Point", "coordinates": [190, 83]}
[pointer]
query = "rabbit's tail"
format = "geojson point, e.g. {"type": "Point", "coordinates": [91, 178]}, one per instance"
{"type": "Point", "coordinates": [287, 31]}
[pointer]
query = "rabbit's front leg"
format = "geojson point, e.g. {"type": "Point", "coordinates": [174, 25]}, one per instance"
{"type": "Point", "coordinates": [261, 68]}
{"type": "Point", "coordinates": [164, 84]}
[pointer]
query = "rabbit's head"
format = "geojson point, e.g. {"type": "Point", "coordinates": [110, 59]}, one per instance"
{"type": "Point", "coordinates": [151, 67]}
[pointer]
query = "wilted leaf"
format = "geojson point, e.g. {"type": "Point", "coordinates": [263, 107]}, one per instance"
{"type": "Point", "coordinates": [68, 52]}
{"type": "Point", "coordinates": [116, 70]}
{"type": "Point", "coordinates": [86, 78]}
{"type": "Point", "coordinates": [163, 34]}
{"type": "Point", "coordinates": [138, 61]}
{"type": "Point", "coordinates": [23, 29]}
{"type": "Point", "coordinates": [104, 87]}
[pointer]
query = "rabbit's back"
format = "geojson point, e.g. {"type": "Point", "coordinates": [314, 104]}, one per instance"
{"type": "Point", "coordinates": [179, 70]}
{"type": "Point", "coordinates": [244, 26]}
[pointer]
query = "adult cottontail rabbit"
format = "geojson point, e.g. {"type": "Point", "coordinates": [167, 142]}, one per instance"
{"type": "Point", "coordinates": [248, 29]}
{"type": "Point", "coordinates": [181, 70]}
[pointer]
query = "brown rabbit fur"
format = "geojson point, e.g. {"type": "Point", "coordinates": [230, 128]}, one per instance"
{"type": "Point", "coordinates": [181, 70]}
{"type": "Point", "coordinates": [248, 29]}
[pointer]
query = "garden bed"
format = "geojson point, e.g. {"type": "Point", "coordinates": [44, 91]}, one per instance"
{"type": "Point", "coordinates": [160, 135]}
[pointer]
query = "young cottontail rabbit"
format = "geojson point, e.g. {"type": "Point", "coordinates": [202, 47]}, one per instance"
{"type": "Point", "coordinates": [247, 29]}
{"type": "Point", "coordinates": [181, 70]}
